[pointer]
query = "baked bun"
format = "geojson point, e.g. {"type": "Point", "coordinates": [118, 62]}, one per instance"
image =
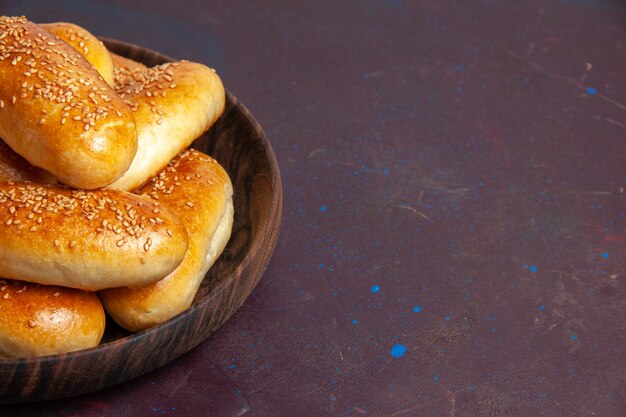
{"type": "Point", "coordinates": [173, 104]}
{"type": "Point", "coordinates": [57, 112]}
{"type": "Point", "coordinates": [125, 70]}
{"type": "Point", "coordinates": [199, 191]}
{"type": "Point", "coordinates": [85, 43]}
{"type": "Point", "coordinates": [39, 320]}
{"type": "Point", "coordinates": [86, 239]}
{"type": "Point", "coordinates": [15, 168]}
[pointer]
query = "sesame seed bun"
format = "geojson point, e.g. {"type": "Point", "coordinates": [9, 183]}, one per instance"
{"type": "Point", "coordinates": [86, 239]}
{"type": "Point", "coordinates": [199, 191]}
{"type": "Point", "coordinates": [57, 111]}
{"type": "Point", "coordinates": [39, 320]}
{"type": "Point", "coordinates": [173, 104]}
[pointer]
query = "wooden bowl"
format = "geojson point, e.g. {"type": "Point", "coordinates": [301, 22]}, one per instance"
{"type": "Point", "coordinates": [240, 146]}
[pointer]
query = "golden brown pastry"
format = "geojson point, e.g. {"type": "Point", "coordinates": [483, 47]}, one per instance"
{"type": "Point", "coordinates": [86, 239]}
{"type": "Point", "coordinates": [173, 104]}
{"type": "Point", "coordinates": [39, 320]}
{"type": "Point", "coordinates": [125, 70]}
{"type": "Point", "coordinates": [57, 112]}
{"type": "Point", "coordinates": [199, 191]}
{"type": "Point", "coordinates": [15, 168]}
{"type": "Point", "coordinates": [85, 43]}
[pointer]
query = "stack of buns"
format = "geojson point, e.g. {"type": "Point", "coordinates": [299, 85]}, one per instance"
{"type": "Point", "coordinates": [102, 206]}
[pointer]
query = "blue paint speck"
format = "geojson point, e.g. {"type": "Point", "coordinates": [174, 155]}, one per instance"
{"type": "Point", "coordinates": [541, 307]}
{"type": "Point", "coordinates": [605, 255]}
{"type": "Point", "coordinates": [533, 268]}
{"type": "Point", "coordinates": [436, 378]}
{"type": "Point", "coordinates": [471, 388]}
{"type": "Point", "coordinates": [417, 309]}
{"type": "Point", "coordinates": [591, 91]}
{"type": "Point", "coordinates": [398, 351]}
{"type": "Point", "coordinates": [323, 209]}
{"type": "Point", "coordinates": [355, 321]}
{"type": "Point", "coordinates": [574, 337]}
{"type": "Point", "coordinates": [447, 318]}
{"type": "Point", "coordinates": [375, 288]}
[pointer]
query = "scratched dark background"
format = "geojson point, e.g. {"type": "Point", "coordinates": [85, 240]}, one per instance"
{"type": "Point", "coordinates": [453, 241]}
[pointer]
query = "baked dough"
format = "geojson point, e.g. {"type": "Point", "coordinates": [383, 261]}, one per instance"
{"type": "Point", "coordinates": [173, 105]}
{"type": "Point", "coordinates": [125, 70]}
{"type": "Point", "coordinates": [85, 43]}
{"type": "Point", "coordinates": [86, 239]}
{"type": "Point", "coordinates": [199, 191]}
{"type": "Point", "coordinates": [57, 112]}
{"type": "Point", "coordinates": [15, 168]}
{"type": "Point", "coordinates": [39, 320]}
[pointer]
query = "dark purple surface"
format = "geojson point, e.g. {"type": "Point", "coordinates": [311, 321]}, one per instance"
{"type": "Point", "coordinates": [454, 179]}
